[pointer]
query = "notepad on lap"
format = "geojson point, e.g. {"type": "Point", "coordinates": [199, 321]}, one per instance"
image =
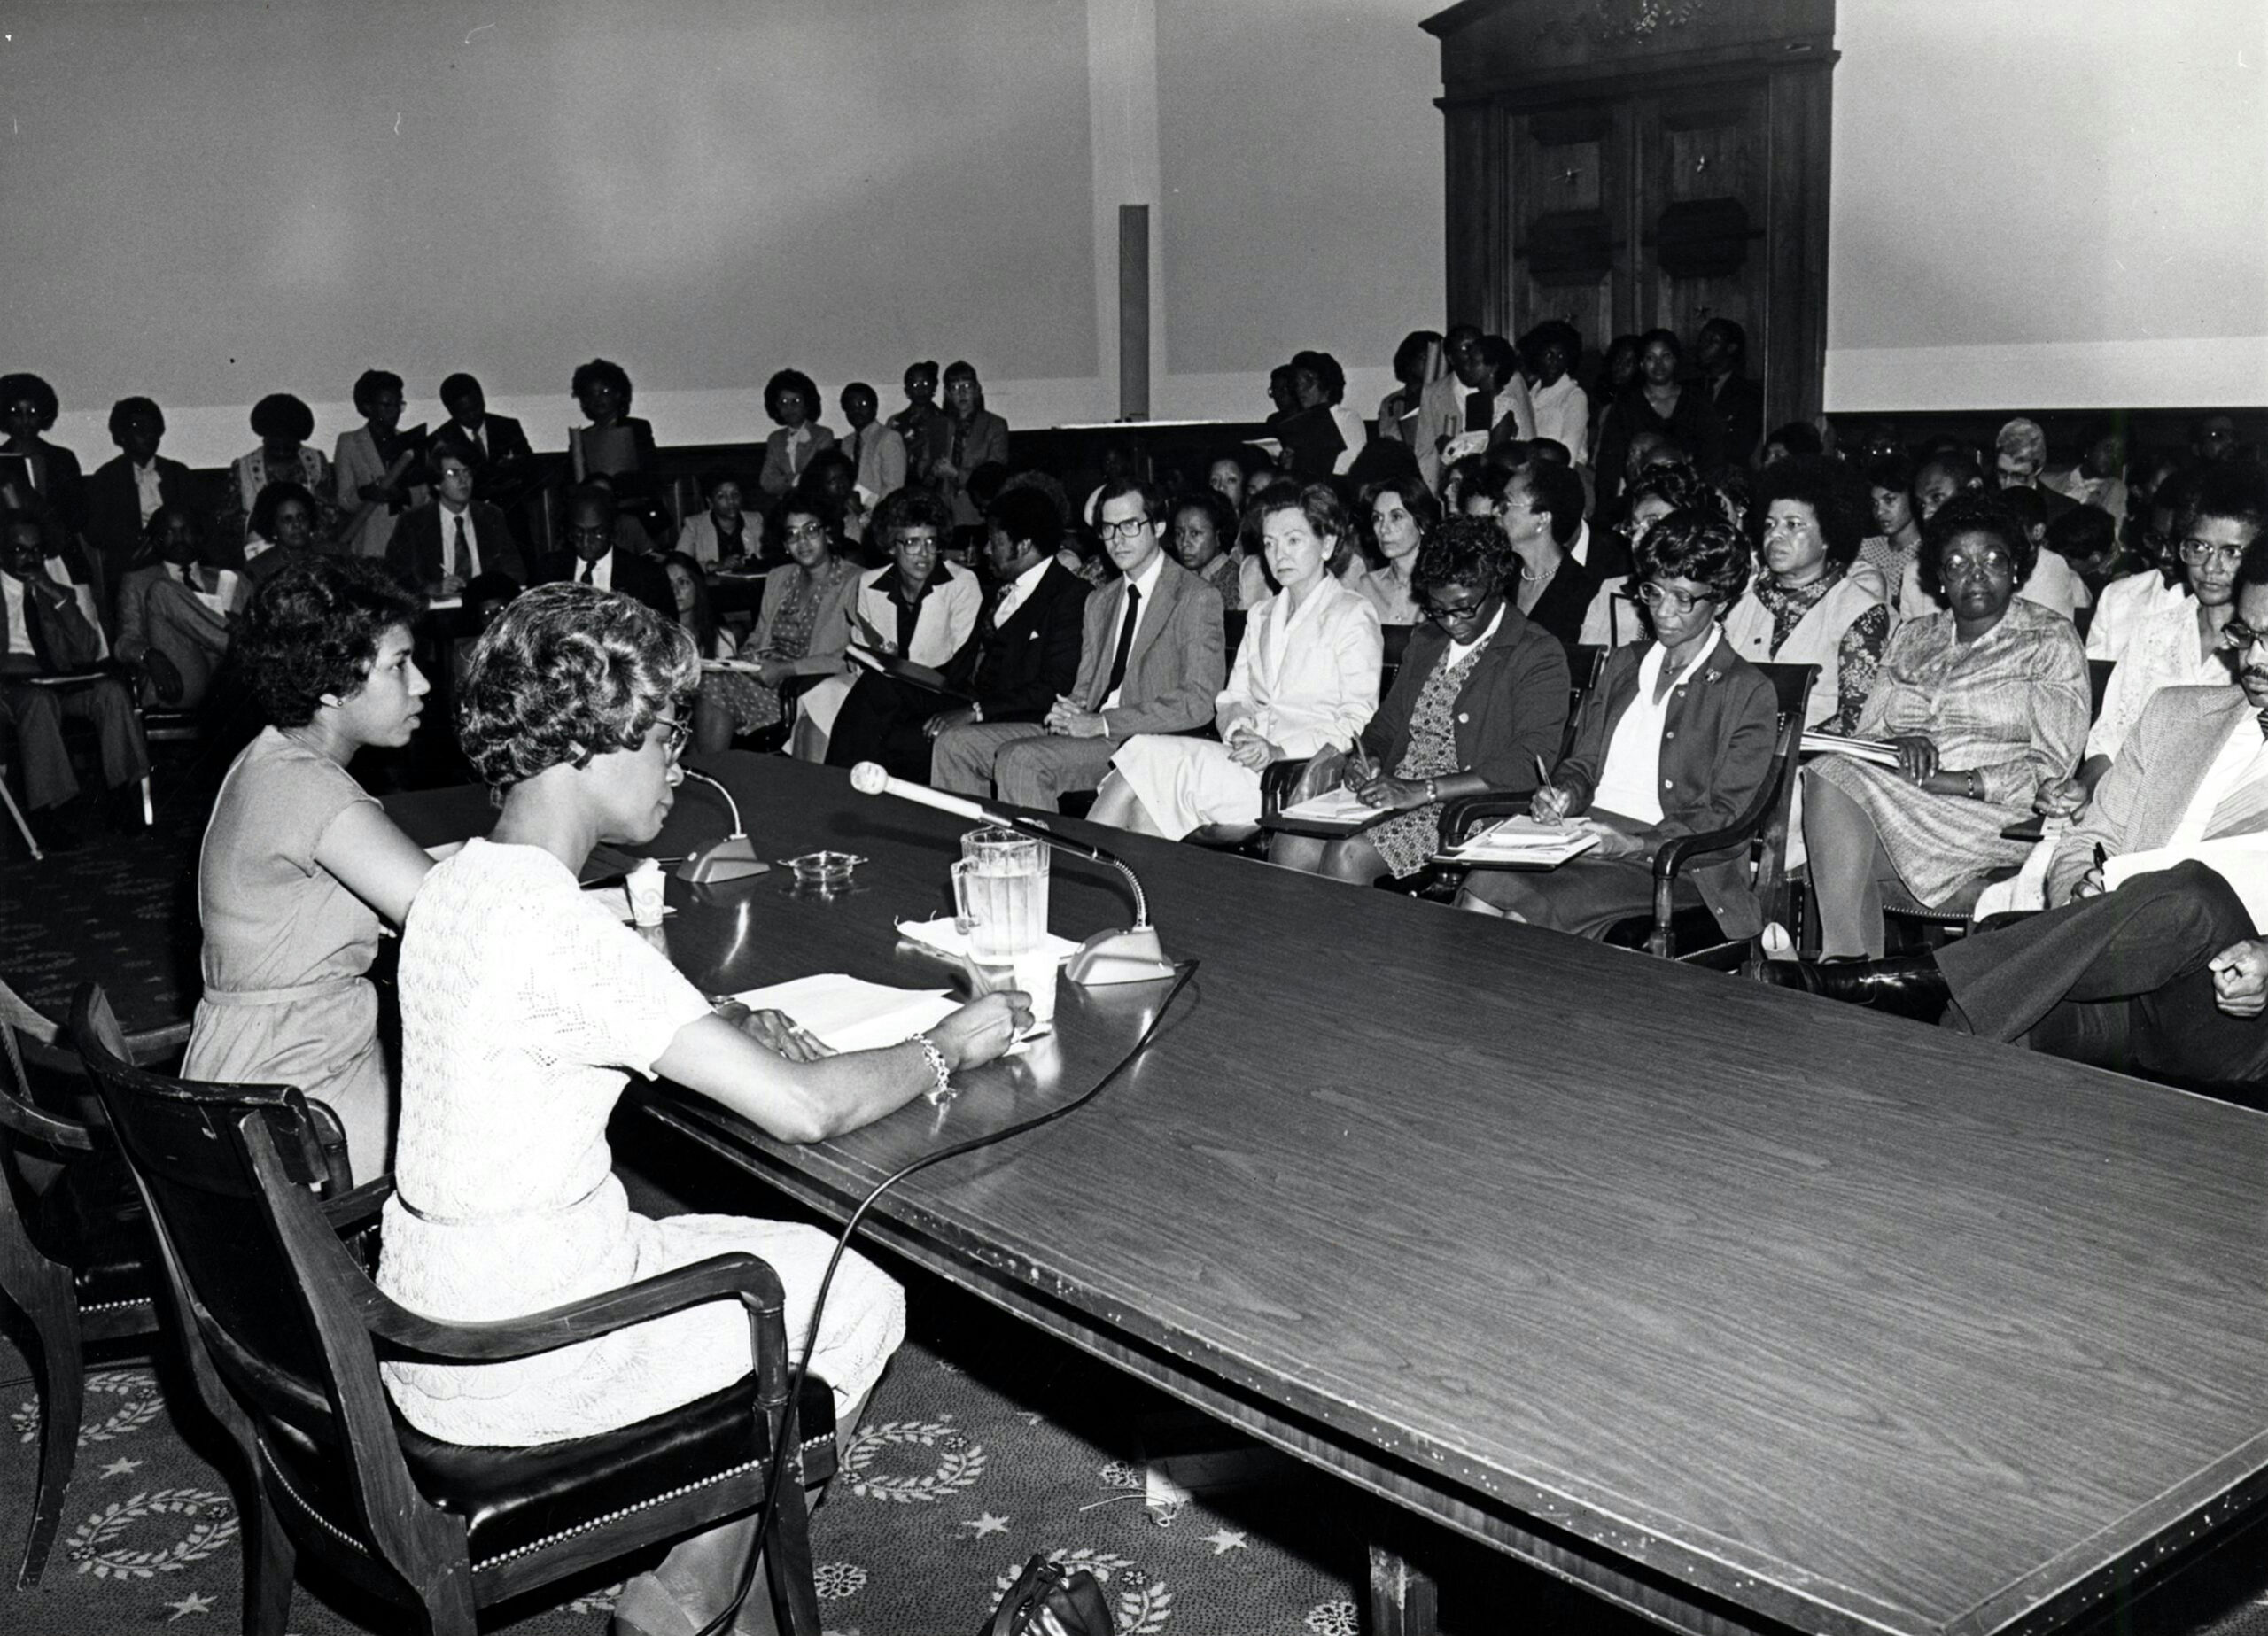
{"type": "Point", "coordinates": [851, 1015]}
{"type": "Point", "coordinates": [1335, 806]}
{"type": "Point", "coordinates": [1882, 753]}
{"type": "Point", "coordinates": [1525, 841]}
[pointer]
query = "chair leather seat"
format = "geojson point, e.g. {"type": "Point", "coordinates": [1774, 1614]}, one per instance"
{"type": "Point", "coordinates": [512, 1498]}
{"type": "Point", "coordinates": [92, 1221]}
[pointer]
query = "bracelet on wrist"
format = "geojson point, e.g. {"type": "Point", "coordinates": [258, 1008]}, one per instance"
{"type": "Point", "coordinates": [935, 1058]}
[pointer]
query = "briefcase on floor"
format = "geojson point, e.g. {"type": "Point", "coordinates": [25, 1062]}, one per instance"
{"type": "Point", "coordinates": [1048, 1600]}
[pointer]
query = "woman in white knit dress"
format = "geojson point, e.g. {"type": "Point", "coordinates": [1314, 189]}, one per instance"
{"type": "Point", "coordinates": [1305, 679]}
{"type": "Point", "coordinates": [525, 1006]}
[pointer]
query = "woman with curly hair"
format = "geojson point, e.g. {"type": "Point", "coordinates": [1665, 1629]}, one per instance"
{"type": "Point", "coordinates": [616, 446]}
{"type": "Point", "coordinates": [1812, 601]}
{"type": "Point", "coordinates": [525, 1008]}
{"type": "Point", "coordinates": [791, 398]}
{"type": "Point", "coordinates": [1984, 703]}
{"type": "Point", "coordinates": [299, 861]}
{"type": "Point", "coordinates": [282, 424]}
{"type": "Point", "coordinates": [28, 410]}
{"type": "Point", "coordinates": [1675, 740]}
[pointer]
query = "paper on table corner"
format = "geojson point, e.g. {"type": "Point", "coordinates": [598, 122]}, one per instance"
{"type": "Point", "coordinates": [944, 935]}
{"type": "Point", "coordinates": [850, 1014]}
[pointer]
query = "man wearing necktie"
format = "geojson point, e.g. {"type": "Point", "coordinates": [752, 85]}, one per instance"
{"type": "Point", "coordinates": [876, 451]}
{"type": "Point", "coordinates": [173, 611]}
{"type": "Point", "coordinates": [2155, 960]}
{"type": "Point", "coordinates": [1150, 661]}
{"type": "Point", "coordinates": [44, 632]}
{"type": "Point", "coordinates": [453, 539]}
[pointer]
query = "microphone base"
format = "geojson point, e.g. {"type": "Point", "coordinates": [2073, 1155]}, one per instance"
{"type": "Point", "coordinates": [1119, 956]}
{"type": "Point", "coordinates": [732, 858]}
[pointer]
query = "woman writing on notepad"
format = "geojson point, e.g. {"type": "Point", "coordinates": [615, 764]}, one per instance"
{"type": "Point", "coordinates": [1675, 740]}
{"type": "Point", "coordinates": [525, 1008]}
{"type": "Point", "coordinates": [1481, 694]}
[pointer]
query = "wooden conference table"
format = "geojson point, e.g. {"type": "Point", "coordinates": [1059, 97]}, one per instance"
{"type": "Point", "coordinates": [1744, 1310]}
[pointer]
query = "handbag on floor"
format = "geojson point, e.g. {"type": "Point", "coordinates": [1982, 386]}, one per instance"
{"type": "Point", "coordinates": [1046, 1600]}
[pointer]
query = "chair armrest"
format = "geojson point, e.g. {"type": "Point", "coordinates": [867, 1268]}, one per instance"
{"type": "Point", "coordinates": [350, 1213]}
{"type": "Point", "coordinates": [1670, 859]}
{"type": "Point", "coordinates": [1465, 813]}
{"type": "Point", "coordinates": [1277, 780]}
{"type": "Point", "coordinates": [738, 1277]}
{"type": "Point", "coordinates": [22, 1120]}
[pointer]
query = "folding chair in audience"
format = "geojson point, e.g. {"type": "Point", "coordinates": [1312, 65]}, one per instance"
{"type": "Point", "coordinates": [1760, 831]}
{"type": "Point", "coordinates": [74, 1251]}
{"type": "Point", "coordinates": [283, 1330]}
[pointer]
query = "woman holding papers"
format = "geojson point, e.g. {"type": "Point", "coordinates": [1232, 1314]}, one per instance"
{"type": "Point", "coordinates": [1675, 740]}
{"type": "Point", "coordinates": [1305, 679]}
{"type": "Point", "coordinates": [1985, 703]}
{"type": "Point", "coordinates": [525, 1007]}
{"type": "Point", "coordinates": [1481, 698]}
{"type": "Point", "coordinates": [800, 632]}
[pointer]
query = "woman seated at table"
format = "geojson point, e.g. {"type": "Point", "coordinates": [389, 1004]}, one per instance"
{"type": "Point", "coordinates": [914, 608]}
{"type": "Point", "coordinates": [1675, 740]}
{"type": "Point", "coordinates": [1403, 515]}
{"type": "Point", "coordinates": [1812, 602]}
{"type": "Point", "coordinates": [298, 861]}
{"type": "Point", "coordinates": [1984, 702]}
{"type": "Point", "coordinates": [1480, 699]}
{"type": "Point", "coordinates": [801, 631]}
{"type": "Point", "coordinates": [1305, 679]}
{"type": "Point", "coordinates": [526, 1007]}
{"type": "Point", "coordinates": [722, 532]}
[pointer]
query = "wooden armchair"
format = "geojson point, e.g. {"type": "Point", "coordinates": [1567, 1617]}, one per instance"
{"type": "Point", "coordinates": [1762, 828]}
{"type": "Point", "coordinates": [74, 1252]}
{"type": "Point", "coordinates": [283, 1331]}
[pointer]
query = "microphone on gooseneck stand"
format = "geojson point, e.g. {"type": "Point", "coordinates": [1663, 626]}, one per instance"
{"type": "Point", "coordinates": [1129, 955]}
{"type": "Point", "coordinates": [731, 859]}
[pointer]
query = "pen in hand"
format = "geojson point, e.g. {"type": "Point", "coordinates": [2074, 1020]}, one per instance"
{"type": "Point", "coordinates": [1549, 805]}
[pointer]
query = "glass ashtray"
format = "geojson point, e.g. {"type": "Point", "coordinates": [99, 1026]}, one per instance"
{"type": "Point", "coordinates": [828, 872]}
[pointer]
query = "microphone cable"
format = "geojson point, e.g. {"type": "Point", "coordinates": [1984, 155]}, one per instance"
{"type": "Point", "coordinates": [1185, 971]}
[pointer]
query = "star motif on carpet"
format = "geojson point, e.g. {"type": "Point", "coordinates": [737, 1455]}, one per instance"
{"type": "Point", "coordinates": [985, 1524]}
{"type": "Point", "coordinates": [191, 1603]}
{"type": "Point", "coordinates": [120, 1468]}
{"type": "Point", "coordinates": [1224, 1540]}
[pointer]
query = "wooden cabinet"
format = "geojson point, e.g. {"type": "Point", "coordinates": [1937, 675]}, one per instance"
{"type": "Point", "coordinates": [1627, 164]}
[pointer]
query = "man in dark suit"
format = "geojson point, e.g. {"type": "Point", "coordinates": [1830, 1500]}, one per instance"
{"type": "Point", "coordinates": [124, 493]}
{"type": "Point", "coordinates": [1150, 661]}
{"type": "Point", "coordinates": [453, 539]}
{"type": "Point", "coordinates": [591, 559]}
{"type": "Point", "coordinates": [492, 446]}
{"type": "Point", "coordinates": [45, 632]}
{"type": "Point", "coordinates": [1022, 657]}
{"type": "Point", "coordinates": [1721, 350]}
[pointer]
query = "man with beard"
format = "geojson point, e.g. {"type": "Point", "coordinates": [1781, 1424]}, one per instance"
{"type": "Point", "coordinates": [2155, 962]}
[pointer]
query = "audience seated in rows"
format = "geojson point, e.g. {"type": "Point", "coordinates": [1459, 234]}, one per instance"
{"type": "Point", "coordinates": [1021, 656]}
{"type": "Point", "coordinates": [599, 554]}
{"type": "Point", "coordinates": [1675, 740]}
{"type": "Point", "coordinates": [1986, 703]}
{"type": "Point", "coordinates": [1478, 704]}
{"type": "Point", "coordinates": [1540, 509]}
{"type": "Point", "coordinates": [1149, 661]}
{"type": "Point", "coordinates": [1305, 680]}
{"type": "Point", "coordinates": [282, 424]}
{"type": "Point", "coordinates": [1203, 536]}
{"type": "Point", "coordinates": [1811, 600]}
{"type": "Point", "coordinates": [453, 539]}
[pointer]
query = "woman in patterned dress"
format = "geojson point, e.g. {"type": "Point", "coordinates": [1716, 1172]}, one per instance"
{"type": "Point", "coordinates": [1986, 702]}
{"type": "Point", "coordinates": [1481, 695]}
{"type": "Point", "coordinates": [526, 1006]}
{"type": "Point", "coordinates": [803, 628]}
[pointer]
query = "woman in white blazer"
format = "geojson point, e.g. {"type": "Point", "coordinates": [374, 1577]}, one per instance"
{"type": "Point", "coordinates": [915, 609]}
{"type": "Point", "coordinates": [1306, 680]}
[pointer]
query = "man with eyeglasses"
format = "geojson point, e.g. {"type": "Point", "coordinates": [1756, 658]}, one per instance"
{"type": "Point", "coordinates": [2153, 960]}
{"type": "Point", "coordinates": [591, 557]}
{"type": "Point", "coordinates": [1150, 661]}
{"type": "Point", "coordinates": [2181, 645]}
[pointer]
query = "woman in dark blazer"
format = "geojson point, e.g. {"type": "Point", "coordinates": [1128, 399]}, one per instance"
{"type": "Point", "coordinates": [1676, 739]}
{"type": "Point", "coordinates": [1481, 697]}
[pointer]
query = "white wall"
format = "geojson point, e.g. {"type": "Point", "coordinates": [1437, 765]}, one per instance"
{"type": "Point", "coordinates": [236, 196]}
{"type": "Point", "coordinates": [2058, 205]}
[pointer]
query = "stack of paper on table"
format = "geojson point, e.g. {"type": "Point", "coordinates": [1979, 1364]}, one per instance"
{"type": "Point", "coordinates": [850, 1015]}
{"type": "Point", "coordinates": [1525, 841]}
{"type": "Point", "coordinates": [1879, 751]}
{"type": "Point", "coordinates": [1337, 806]}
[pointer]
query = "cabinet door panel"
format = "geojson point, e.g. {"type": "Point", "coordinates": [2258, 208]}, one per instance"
{"type": "Point", "coordinates": [1702, 198]}
{"type": "Point", "coordinates": [1571, 253]}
